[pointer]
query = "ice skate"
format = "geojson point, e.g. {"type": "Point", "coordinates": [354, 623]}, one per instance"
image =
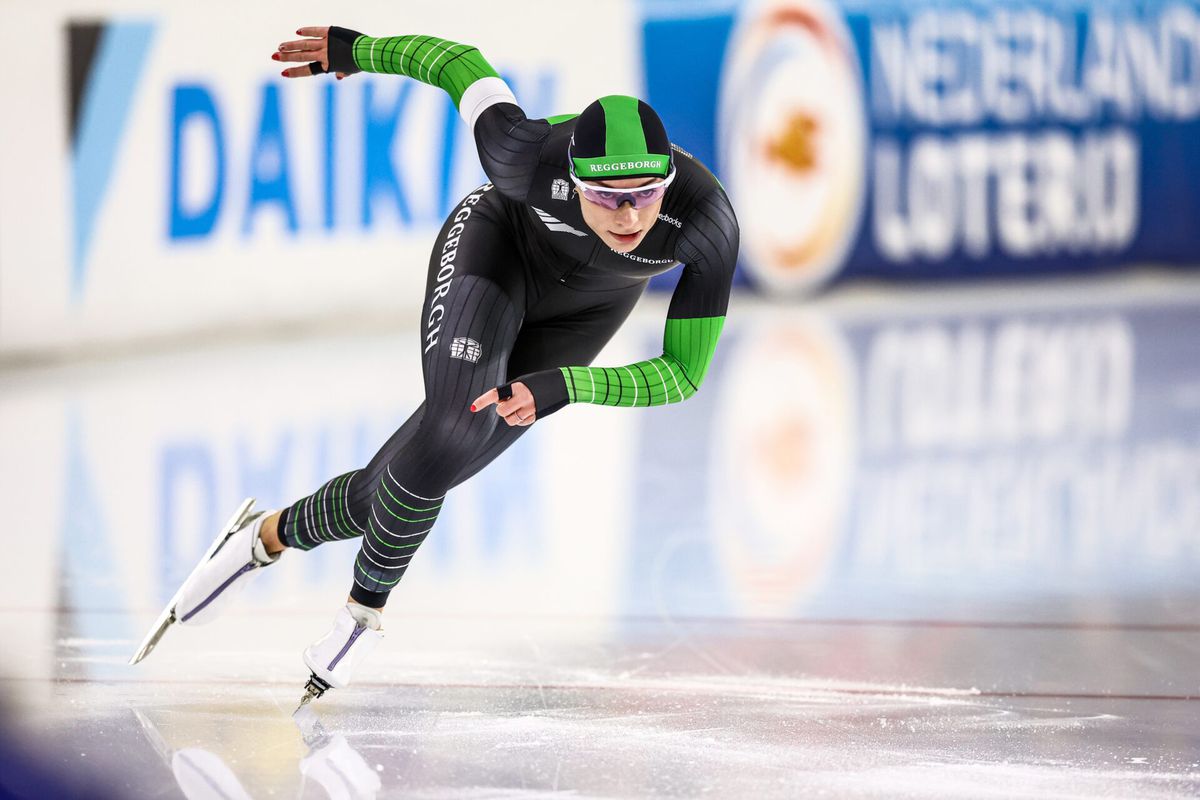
{"type": "Point", "coordinates": [333, 657]}
{"type": "Point", "coordinates": [230, 563]}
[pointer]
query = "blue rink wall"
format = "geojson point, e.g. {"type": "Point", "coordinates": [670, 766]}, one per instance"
{"type": "Point", "coordinates": [156, 197]}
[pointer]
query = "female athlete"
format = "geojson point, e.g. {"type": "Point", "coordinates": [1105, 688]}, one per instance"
{"type": "Point", "coordinates": [530, 276]}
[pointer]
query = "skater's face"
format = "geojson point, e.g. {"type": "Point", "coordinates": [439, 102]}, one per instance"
{"type": "Point", "coordinates": [624, 228]}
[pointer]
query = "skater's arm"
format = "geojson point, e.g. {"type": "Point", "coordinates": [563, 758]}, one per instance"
{"type": "Point", "coordinates": [708, 249]}
{"type": "Point", "coordinates": [509, 143]}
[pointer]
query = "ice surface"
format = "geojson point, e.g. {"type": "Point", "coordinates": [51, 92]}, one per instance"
{"type": "Point", "coordinates": [650, 717]}
{"type": "Point", "coordinates": [928, 566]}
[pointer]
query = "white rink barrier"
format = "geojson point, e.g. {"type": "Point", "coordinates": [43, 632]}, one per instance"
{"type": "Point", "coordinates": [156, 186]}
{"type": "Point", "coordinates": [153, 188]}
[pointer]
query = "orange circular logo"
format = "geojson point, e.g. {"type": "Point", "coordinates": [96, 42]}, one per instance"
{"type": "Point", "coordinates": [792, 141]}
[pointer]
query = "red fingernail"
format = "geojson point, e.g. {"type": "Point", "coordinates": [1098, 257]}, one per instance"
{"type": "Point", "coordinates": [275, 56]}
{"type": "Point", "coordinates": [472, 406]}
{"type": "Point", "coordinates": [298, 33]}
{"type": "Point", "coordinates": [284, 73]}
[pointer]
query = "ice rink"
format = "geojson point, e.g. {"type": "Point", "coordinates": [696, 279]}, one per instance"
{"type": "Point", "coordinates": [928, 543]}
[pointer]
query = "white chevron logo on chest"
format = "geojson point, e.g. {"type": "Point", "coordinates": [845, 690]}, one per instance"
{"type": "Point", "coordinates": [556, 224]}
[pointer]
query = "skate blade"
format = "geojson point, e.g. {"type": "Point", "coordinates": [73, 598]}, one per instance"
{"type": "Point", "coordinates": [314, 689]}
{"type": "Point", "coordinates": [156, 632]}
{"type": "Point", "coordinates": [167, 617]}
{"type": "Point", "coordinates": [154, 737]}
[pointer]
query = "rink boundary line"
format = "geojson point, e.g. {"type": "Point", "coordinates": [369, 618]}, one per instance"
{"type": "Point", "coordinates": [959, 694]}
{"type": "Point", "coordinates": [833, 622]}
{"type": "Point", "coordinates": [1136, 285]}
{"type": "Point", "coordinates": [1153, 627]}
{"type": "Point", "coordinates": [645, 619]}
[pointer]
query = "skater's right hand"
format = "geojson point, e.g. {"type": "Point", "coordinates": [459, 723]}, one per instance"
{"type": "Point", "coordinates": [519, 408]}
{"type": "Point", "coordinates": [312, 50]}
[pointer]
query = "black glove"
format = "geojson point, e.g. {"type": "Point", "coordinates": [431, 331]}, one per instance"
{"type": "Point", "coordinates": [549, 390]}
{"type": "Point", "coordinates": [341, 51]}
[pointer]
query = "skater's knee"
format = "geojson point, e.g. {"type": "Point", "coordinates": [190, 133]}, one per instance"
{"type": "Point", "coordinates": [460, 432]}
{"type": "Point", "coordinates": [444, 445]}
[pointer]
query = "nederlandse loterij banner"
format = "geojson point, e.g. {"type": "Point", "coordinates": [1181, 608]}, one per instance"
{"type": "Point", "coordinates": [924, 139]}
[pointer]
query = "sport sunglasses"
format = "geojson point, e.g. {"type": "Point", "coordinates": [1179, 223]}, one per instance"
{"type": "Point", "coordinates": [612, 198]}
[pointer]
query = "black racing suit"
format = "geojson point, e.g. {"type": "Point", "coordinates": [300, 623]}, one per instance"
{"type": "Point", "coordinates": [518, 288]}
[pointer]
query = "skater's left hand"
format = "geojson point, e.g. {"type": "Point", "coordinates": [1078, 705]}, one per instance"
{"type": "Point", "coordinates": [312, 50]}
{"type": "Point", "coordinates": [519, 409]}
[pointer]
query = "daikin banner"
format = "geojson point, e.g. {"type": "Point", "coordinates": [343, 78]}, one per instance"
{"type": "Point", "coordinates": [154, 186]}
{"type": "Point", "coordinates": [165, 180]}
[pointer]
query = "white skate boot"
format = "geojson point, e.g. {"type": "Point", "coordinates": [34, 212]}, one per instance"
{"type": "Point", "coordinates": [232, 561]}
{"type": "Point", "coordinates": [334, 656]}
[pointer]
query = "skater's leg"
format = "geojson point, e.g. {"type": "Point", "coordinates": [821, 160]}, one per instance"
{"type": "Point", "coordinates": [396, 498]}
{"type": "Point", "coordinates": [338, 510]}
{"type": "Point", "coordinates": [475, 243]}
{"type": "Point", "coordinates": [475, 302]}
{"type": "Point", "coordinates": [573, 337]}
{"type": "Point", "coordinates": [473, 309]}
{"type": "Point", "coordinates": [410, 482]}
{"type": "Point", "coordinates": [402, 516]}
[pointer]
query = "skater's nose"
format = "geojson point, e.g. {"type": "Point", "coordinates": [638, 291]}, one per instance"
{"type": "Point", "coordinates": [627, 216]}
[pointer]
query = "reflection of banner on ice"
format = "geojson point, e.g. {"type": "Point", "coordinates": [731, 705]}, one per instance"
{"type": "Point", "coordinates": [742, 490]}
{"type": "Point", "coordinates": [1044, 451]}
{"type": "Point", "coordinates": [782, 463]}
{"type": "Point", "coordinates": [885, 461]}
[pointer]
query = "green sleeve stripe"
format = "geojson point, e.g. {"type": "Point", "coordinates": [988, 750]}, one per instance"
{"type": "Point", "coordinates": [450, 66]}
{"type": "Point", "coordinates": [674, 376]}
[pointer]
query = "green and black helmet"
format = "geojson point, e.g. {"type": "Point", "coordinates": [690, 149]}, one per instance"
{"type": "Point", "coordinates": [619, 136]}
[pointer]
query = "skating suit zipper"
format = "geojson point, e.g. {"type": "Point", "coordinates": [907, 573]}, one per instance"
{"type": "Point", "coordinates": [591, 258]}
{"type": "Point", "coordinates": [563, 278]}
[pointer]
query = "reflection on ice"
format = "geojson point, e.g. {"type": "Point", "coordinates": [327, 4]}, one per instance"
{"type": "Point", "coordinates": [889, 549]}
{"type": "Point", "coordinates": [201, 774]}
{"type": "Point", "coordinates": [597, 734]}
{"type": "Point", "coordinates": [841, 461]}
{"type": "Point", "coordinates": [332, 762]}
